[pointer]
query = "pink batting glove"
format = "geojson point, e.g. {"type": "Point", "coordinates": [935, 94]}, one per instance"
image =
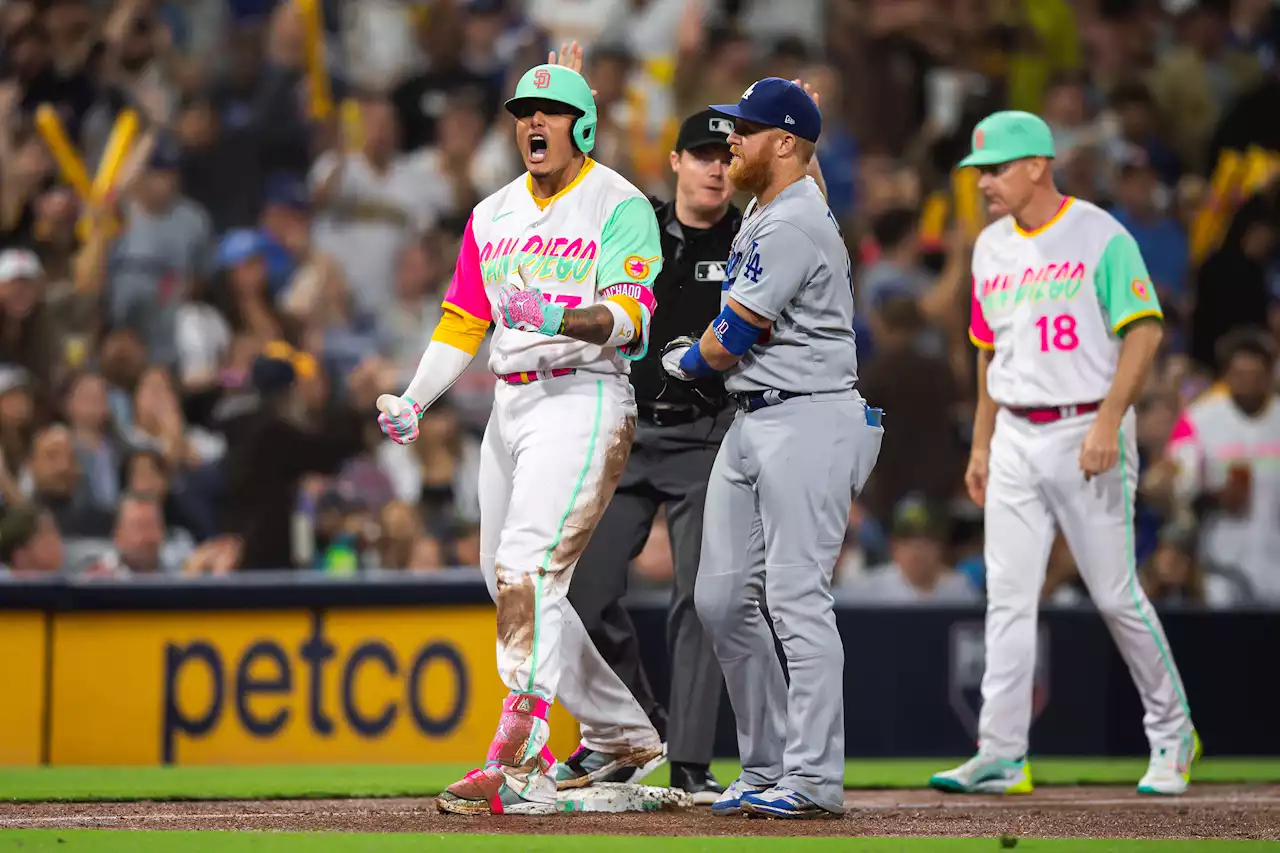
{"type": "Point", "coordinates": [523, 307]}
{"type": "Point", "coordinates": [399, 418]}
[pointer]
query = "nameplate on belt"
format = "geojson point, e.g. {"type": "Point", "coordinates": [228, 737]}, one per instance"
{"type": "Point", "coordinates": [710, 271]}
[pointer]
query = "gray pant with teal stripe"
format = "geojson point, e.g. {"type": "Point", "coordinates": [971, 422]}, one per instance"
{"type": "Point", "coordinates": [1036, 487]}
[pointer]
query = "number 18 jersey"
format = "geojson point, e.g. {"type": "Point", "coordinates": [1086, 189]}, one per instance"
{"type": "Point", "coordinates": [1054, 303]}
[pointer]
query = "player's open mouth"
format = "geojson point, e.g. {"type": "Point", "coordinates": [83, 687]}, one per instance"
{"type": "Point", "coordinates": [537, 148]}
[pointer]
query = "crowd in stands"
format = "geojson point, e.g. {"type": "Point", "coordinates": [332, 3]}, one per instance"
{"type": "Point", "coordinates": [193, 332]}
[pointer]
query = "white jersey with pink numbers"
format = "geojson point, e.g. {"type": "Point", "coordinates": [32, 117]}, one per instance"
{"type": "Point", "coordinates": [1213, 436]}
{"type": "Point", "coordinates": [1053, 304]}
{"type": "Point", "coordinates": [595, 239]}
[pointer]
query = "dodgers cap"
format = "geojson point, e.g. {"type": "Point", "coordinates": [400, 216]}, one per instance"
{"type": "Point", "coordinates": [774, 102]}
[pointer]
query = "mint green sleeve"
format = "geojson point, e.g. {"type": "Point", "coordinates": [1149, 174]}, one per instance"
{"type": "Point", "coordinates": [630, 260]}
{"type": "Point", "coordinates": [630, 248]}
{"type": "Point", "coordinates": [1124, 285]}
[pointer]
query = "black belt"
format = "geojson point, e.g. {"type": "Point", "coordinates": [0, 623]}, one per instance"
{"type": "Point", "coordinates": [667, 414]}
{"type": "Point", "coordinates": [749, 401]}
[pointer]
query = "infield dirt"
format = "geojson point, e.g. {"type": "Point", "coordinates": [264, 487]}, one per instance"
{"type": "Point", "coordinates": [1208, 811]}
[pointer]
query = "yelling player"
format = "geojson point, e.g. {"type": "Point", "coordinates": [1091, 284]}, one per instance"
{"type": "Point", "coordinates": [1067, 324]}
{"type": "Point", "coordinates": [563, 260]}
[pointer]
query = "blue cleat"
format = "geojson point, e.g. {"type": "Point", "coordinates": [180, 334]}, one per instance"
{"type": "Point", "coordinates": [783, 803]}
{"type": "Point", "coordinates": [730, 802]}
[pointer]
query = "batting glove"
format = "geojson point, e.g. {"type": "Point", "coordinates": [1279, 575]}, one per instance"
{"type": "Point", "coordinates": [673, 352]}
{"type": "Point", "coordinates": [399, 418]}
{"type": "Point", "coordinates": [523, 307]}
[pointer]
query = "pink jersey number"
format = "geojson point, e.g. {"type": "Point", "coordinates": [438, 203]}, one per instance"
{"type": "Point", "coordinates": [566, 301]}
{"type": "Point", "coordinates": [1063, 335]}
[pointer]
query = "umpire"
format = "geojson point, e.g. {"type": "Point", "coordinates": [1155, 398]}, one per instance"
{"type": "Point", "coordinates": [678, 434]}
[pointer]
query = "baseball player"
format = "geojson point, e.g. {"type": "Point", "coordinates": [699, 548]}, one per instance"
{"type": "Point", "coordinates": [563, 259]}
{"type": "Point", "coordinates": [803, 440]}
{"type": "Point", "coordinates": [1066, 322]}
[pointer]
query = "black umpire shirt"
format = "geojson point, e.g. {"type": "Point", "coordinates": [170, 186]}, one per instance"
{"type": "Point", "coordinates": [688, 295]}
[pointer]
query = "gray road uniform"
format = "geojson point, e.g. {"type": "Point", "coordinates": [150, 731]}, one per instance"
{"type": "Point", "coordinates": [801, 444]}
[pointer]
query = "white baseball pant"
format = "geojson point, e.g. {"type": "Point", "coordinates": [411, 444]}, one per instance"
{"type": "Point", "coordinates": [1035, 480]}
{"type": "Point", "coordinates": [552, 455]}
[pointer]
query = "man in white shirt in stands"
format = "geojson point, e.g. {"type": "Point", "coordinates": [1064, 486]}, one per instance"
{"type": "Point", "coordinates": [369, 204]}
{"type": "Point", "coordinates": [1226, 449]}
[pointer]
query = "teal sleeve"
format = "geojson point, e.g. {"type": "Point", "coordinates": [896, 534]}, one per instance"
{"type": "Point", "coordinates": [1124, 285]}
{"type": "Point", "coordinates": [630, 248]}
{"type": "Point", "coordinates": [630, 260]}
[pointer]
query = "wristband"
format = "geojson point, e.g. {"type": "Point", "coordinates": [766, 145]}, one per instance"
{"type": "Point", "coordinates": [693, 363]}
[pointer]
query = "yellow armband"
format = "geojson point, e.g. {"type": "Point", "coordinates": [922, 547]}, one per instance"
{"type": "Point", "coordinates": [460, 330]}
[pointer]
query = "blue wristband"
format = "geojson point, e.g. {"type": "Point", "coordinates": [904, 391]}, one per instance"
{"type": "Point", "coordinates": [693, 364]}
{"type": "Point", "coordinates": [734, 333]}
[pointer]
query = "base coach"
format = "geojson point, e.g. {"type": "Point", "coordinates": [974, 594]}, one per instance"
{"type": "Point", "coordinates": [677, 437]}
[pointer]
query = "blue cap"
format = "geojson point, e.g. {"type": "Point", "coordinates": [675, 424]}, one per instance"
{"type": "Point", "coordinates": [239, 245]}
{"type": "Point", "coordinates": [774, 102]}
{"type": "Point", "coordinates": [287, 191]}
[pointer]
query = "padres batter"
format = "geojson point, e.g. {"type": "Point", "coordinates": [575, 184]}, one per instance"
{"type": "Point", "coordinates": [1067, 323]}
{"type": "Point", "coordinates": [563, 259]}
{"type": "Point", "coordinates": [802, 442]}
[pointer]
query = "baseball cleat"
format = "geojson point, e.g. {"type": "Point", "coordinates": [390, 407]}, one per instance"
{"type": "Point", "coordinates": [783, 803]}
{"type": "Point", "coordinates": [485, 792]}
{"type": "Point", "coordinates": [696, 780]}
{"type": "Point", "coordinates": [730, 802]}
{"type": "Point", "coordinates": [1169, 772]}
{"type": "Point", "coordinates": [985, 775]}
{"type": "Point", "coordinates": [589, 766]}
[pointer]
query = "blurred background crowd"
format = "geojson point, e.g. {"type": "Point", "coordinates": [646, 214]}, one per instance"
{"type": "Point", "coordinates": [194, 326]}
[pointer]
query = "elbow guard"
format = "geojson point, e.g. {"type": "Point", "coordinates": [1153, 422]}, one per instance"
{"type": "Point", "coordinates": [734, 333]}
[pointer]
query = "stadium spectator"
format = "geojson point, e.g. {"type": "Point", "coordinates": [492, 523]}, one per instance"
{"type": "Point", "coordinates": [54, 480]}
{"type": "Point", "coordinates": [917, 572]}
{"type": "Point", "coordinates": [1175, 575]}
{"type": "Point", "coordinates": [30, 544]}
{"type": "Point", "coordinates": [922, 453]}
{"type": "Point", "coordinates": [138, 545]}
{"type": "Point", "coordinates": [97, 444]}
{"type": "Point", "coordinates": [1224, 448]}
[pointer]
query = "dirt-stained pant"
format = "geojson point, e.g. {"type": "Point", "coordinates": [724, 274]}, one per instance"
{"type": "Point", "coordinates": [552, 455]}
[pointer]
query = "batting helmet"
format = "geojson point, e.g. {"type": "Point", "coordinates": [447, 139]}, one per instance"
{"type": "Point", "coordinates": [564, 86]}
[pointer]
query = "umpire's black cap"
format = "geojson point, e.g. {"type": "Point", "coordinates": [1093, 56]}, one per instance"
{"type": "Point", "coordinates": [705, 128]}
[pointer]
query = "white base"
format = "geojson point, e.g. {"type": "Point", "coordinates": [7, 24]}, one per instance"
{"type": "Point", "coordinates": [616, 797]}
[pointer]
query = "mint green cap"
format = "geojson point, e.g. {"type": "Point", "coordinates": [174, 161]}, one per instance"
{"type": "Point", "coordinates": [1009, 135]}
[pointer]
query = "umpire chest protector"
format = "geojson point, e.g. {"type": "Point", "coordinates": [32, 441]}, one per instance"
{"type": "Point", "coordinates": [694, 271]}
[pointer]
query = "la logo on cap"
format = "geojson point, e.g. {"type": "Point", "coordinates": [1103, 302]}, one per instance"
{"type": "Point", "coordinates": [979, 138]}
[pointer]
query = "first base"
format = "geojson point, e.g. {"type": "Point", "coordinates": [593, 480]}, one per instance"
{"type": "Point", "coordinates": [615, 797]}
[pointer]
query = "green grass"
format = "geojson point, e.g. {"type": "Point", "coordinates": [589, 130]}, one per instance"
{"type": "Point", "coordinates": [109, 841]}
{"type": "Point", "coordinates": [109, 784]}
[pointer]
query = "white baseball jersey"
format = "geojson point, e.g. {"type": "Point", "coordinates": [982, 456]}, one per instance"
{"type": "Point", "coordinates": [596, 239]}
{"type": "Point", "coordinates": [1053, 302]}
{"type": "Point", "coordinates": [1213, 435]}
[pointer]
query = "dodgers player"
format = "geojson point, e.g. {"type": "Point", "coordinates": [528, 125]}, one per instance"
{"type": "Point", "coordinates": [1067, 323]}
{"type": "Point", "coordinates": [801, 443]}
{"type": "Point", "coordinates": [560, 432]}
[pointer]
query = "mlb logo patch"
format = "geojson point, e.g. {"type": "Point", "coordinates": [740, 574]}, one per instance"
{"type": "Point", "coordinates": [710, 271]}
{"type": "Point", "coordinates": [720, 125]}
{"type": "Point", "coordinates": [979, 138]}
